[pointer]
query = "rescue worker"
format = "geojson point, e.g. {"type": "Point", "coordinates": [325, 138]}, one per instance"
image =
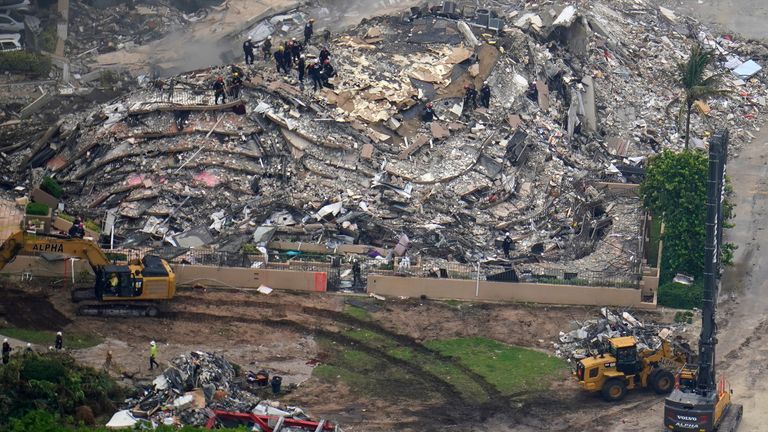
{"type": "Point", "coordinates": [279, 59]}
{"type": "Point", "coordinates": [77, 230]}
{"type": "Point", "coordinates": [114, 281]}
{"type": "Point", "coordinates": [506, 245]}
{"type": "Point", "coordinates": [6, 351]}
{"type": "Point", "coordinates": [326, 35]}
{"type": "Point", "coordinates": [485, 95]}
{"type": "Point", "coordinates": [356, 273]}
{"type": "Point", "coordinates": [218, 88]}
{"type": "Point", "coordinates": [288, 56]}
{"type": "Point", "coordinates": [153, 355]}
{"type": "Point", "coordinates": [235, 69]}
{"type": "Point", "coordinates": [302, 66]}
{"type": "Point", "coordinates": [470, 97]}
{"type": "Point", "coordinates": [429, 113]}
{"type": "Point", "coordinates": [266, 47]}
{"type": "Point", "coordinates": [235, 83]}
{"type": "Point", "coordinates": [108, 362]}
{"type": "Point", "coordinates": [29, 348]}
{"type": "Point", "coordinates": [328, 71]}
{"type": "Point", "coordinates": [308, 30]}
{"type": "Point", "coordinates": [59, 343]}
{"type": "Point", "coordinates": [324, 54]}
{"type": "Point", "coordinates": [248, 51]}
{"type": "Point", "coordinates": [315, 72]}
{"type": "Point", "coordinates": [296, 49]}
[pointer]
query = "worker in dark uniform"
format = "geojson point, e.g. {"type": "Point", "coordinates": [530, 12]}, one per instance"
{"type": "Point", "coordinates": [356, 274]}
{"type": "Point", "coordinates": [470, 97]}
{"type": "Point", "coordinates": [266, 47]}
{"type": "Point", "coordinates": [301, 65]}
{"type": "Point", "coordinates": [6, 351]}
{"type": "Point", "coordinates": [234, 85]}
{"type": "Point", "coordinates": [248, 51]}
{"type": "Point", "coordinates": [328, 71]}
{"type": "Point", "coordinates": [326, 35]}
{"type": "Point", "coordinates": [77, 230]}
{"type": "Point", "coordinates": [218, 88]}
{"type": "Point", "coordinates": [324, 55]}
{"type": "Point", "coordinates": [308, 30]}
{"type": "Point", "coordinates": [288, 56]}
{"type": "Point", "coordinates": [296, 49]}
{"type": "Point", "coordinates": [429, 113]}
{"type": "Point", "coordinates": [315, 70]}
{"type": "Point", "coordinates": [485, 95]}
{"type": "Point", "coordinates": [59, 343]}
{"type": "Point", "coordinates": [506, 245]}
{"type": "Point", "coordinates": [280, 60]}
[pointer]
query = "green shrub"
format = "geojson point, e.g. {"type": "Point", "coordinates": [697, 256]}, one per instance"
{"type": "Point", "coordinates": [25, 62]}
{"type": "Point", "coordinates": [52, 187]}
{"type": "Point", "coordinates": [37, 209]}
{"type": "Point", "coordinates": [680, 296]}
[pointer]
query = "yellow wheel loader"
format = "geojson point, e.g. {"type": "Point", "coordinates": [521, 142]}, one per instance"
{"type": "Point", "coordinates": [625, 368]}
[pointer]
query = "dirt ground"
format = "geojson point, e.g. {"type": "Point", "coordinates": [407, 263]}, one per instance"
{"type": "Point", "coordinates": [283, 332]}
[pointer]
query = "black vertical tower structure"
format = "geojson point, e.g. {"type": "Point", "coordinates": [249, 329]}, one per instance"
{"type": "Point", "coordinates": [691, 407]}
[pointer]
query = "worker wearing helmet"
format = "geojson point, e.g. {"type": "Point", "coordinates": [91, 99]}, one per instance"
{"type": "Point", "coordinates": [218, 88]}
{"type": "Point", "coordinates": [153, 355]}
{"type": "Point", "coordinates": [485, 95]}
{"type": "Point", "coordinates": [506, 245]}
{"type": "Point", "coordinates": [324, 54]}
{"type": "Point", "coordinates": [301, 65]}
{"type": "Point", "coordinates": [6, 351]}
{"type": "Point", "coordinates": [470, 97]}
{"type": "Point", "coordinates": [308, 30]}
{"type": "Point", "coordinates": [280, 59]}
{"type": "Point", "coordinates": [248, 51]}
{"type": "Point", "coordinates": [429, 113]}
{"type": "Point", "coordinates": [296, 49]}
{"type": "Point", "coordinates": [315, 70]}
{"type": "Point", "coordinates": [59, 343]}
{"type": "Point", "coordinates": [266, 47]}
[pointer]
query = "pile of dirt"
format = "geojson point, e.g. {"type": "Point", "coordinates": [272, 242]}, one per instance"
{"type": "Point", "coordinates": [29, 311]}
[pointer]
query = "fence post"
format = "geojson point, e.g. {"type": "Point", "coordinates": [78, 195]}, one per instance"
{"type": "Point", "coordinates": [477, 281]}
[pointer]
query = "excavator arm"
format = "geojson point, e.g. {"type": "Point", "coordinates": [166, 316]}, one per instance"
{"type": "Point", "coordinates": [21, 242]}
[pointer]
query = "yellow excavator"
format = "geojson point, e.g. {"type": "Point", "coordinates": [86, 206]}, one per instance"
{"type": "Point", "coordinates": [624, 368]}
{"type": "Point", "coordinates": [136, 289]}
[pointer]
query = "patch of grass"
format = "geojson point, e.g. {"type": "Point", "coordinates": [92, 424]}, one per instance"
{"type": "Point", "coordinates": [357, 312]}
{"type": "Point", "coordinates": [454, 303]}
{"type": "Point", "coordinates": [46, 338]}
{"type": "Point", "coordinates": [37, 209]}
{"type": "Point", "coordinates": [510, 369]}
{"type": "Point", "coordinates": [371, 338]}
{"type": "Point", "coordinates": [652, 247]}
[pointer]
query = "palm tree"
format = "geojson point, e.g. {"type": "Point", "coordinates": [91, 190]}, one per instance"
{"type": "Point", "coordinates": [696, 86]}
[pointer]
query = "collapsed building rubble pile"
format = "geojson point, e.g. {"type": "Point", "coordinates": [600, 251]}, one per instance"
{"type": "Point", "coordinates": [579, 97]}
{"type": "Point", "coordinates": [591, 336]}
{"type": "Point", "coordinates": [194, 389]}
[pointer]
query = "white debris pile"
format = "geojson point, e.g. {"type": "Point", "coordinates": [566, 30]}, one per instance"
{"type": "Point", "coordinates": [591, 336]}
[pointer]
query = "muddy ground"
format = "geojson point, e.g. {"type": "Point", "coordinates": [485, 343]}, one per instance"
{"type": "Point", "coordinates": [290, 334]}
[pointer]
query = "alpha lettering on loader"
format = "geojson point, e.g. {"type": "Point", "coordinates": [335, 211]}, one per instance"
{"type": "Point", "coordinates": [48, 247]}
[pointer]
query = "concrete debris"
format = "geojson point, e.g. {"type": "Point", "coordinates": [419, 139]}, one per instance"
{"type": "Point", "coordinates": [579, 97]}
{"type": "Point", "coordinates": [591, 336]}
{"type": "Point", "coordinates": [188, 392]}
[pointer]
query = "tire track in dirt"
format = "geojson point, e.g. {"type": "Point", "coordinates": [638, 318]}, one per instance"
{"type": "Point", "coordinates": [460, 407]}
{"type": "Point", "coordinates": [406, 341]}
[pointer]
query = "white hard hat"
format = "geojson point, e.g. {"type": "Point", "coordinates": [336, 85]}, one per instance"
{"type": "Point", "coordinates": [293, 39]}
{"type": "Point", "coordinates": [29, 345]}
{"type": "Point", "coordinates": [249, 37]}
{"type": "Point", "coordinates": [507, 234]}
{"type": "Point", "coordinates": [302, 56]}
{"type": "Point", "coordinates": [152, 343]}
{"type": "Point", "coordinates": [5, 340]}
{"type": "Point", "coordinates": [58, 333]}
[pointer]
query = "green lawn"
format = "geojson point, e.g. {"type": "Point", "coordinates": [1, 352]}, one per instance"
{"type": "Point", "coordinates": [652, 247]}
{"type": "Point", "coordinates": [358, 313]}
{"type": "Point", "coordinates": [46, 338]}
{"type": "Point", "coordinates": [511, 369]}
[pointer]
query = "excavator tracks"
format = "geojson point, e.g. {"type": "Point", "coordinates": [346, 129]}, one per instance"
{"type": "Point", "coordinates": [732, 419]}
{"type": "Point", "coordinates": [119, 310]}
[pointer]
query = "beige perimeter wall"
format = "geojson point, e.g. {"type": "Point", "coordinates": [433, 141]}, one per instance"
{"type": "Point", "coordinates": [503, 291]}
